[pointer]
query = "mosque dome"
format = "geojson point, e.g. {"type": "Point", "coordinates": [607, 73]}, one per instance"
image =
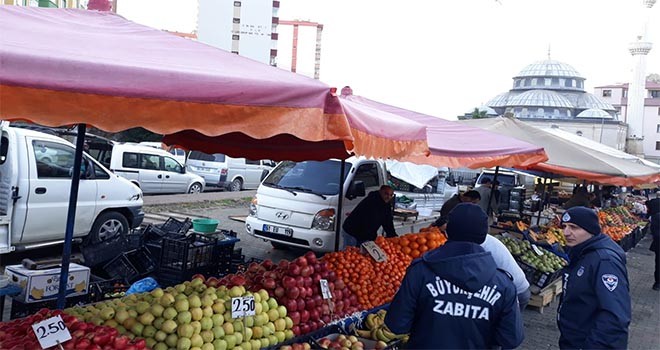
{"type": "Point", "coordinates": [590, 101]}
{"type": "Point", "coordinates": [540, 98]}
{"type": "Point", "coordinates": [500, 100]}
{"type": "Point", "coordinates": [594, 113]}
{"type": "Point", "coordinates": [549, 68]}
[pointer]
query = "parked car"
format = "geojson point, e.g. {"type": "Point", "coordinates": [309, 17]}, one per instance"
{"type": "Point", "coordinates": [35, 180]}
{"type": "Point", "coordinates": [178, 153]}
{"type": "Point", "coordinates": [233, 174]}
{"type": "Point", "coordinates": [153, 170]}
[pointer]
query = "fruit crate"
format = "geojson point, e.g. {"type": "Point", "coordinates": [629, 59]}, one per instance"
{"type": "Point", "coordinates": [188, 254]}
{"type": "Point", "coordinates": [21, 310]}
{"type": "Point", "coordinates": [536, 277]}
{"type": "Point", "coordinates": [101, 253]}
{"type": "Point", "coordinates": [121, 267]}
{"type": "Point", "coordinates": [107, 289]}
{"type": "Point", "coordinates": [223, 253]}
{"type": "Point", "coordinates": [142, 260]}
{"type": "Point", "coordinates": [172, 225]}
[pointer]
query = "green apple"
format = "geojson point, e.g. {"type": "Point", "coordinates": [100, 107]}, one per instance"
{"type": "Point", "coordinates": [272, 303]}
{"type": "Point", "coordinates": [280, 335]}
{"type": "Point", "coordinates": [229, 329]}
{"type": "Point", "coordinates": [160, 336]}
{"type": "Point", "coordinates": [261, 319]}
{"type": "Point", "coordinates": [248, 334]}
{"type": "Point", "coordinates": [206, 300]}
{"type": "Point", "coordinates": [185, 331]}
{"type": "Point", "coordinates": [169, 313]}
{"type": "Point", "coordinates": [273, 314]}
{"type": "Point", "coordinates": [132, 313]}
{"type": "Point", "coordinates": [258, 308]}
{"type": "Point", "coordinates": [121, 316]}
{"type": "Point", "coordinates": [261, 343]}
{"type": "Point", "coordinates": [280, 324]}
{"type": "Point", "coordinates": [160, 346]}
{"type": "Point", "coordinates": [183, 317]}
{"type": "Point", "coordinates": [158, 322]}
{"type": "Point", "coordinates": [157, 310]}
{"type": "Point", "coordinates": [249, 321]}
{"type": "Point", "coordinates": [194, 301]}
{"type": "Point", "coordinates": [289, 322]}
{"type": "Point", "coordinates": [257, 332]}
{"type": "Point", "coordinates": [207, 323]}
{"type": "Point", "coordinates": [111, 323]}
{"type": "Point", "coordinates": [137, 329]}
{"type": "Point", "coordinates": [231, 340]}
{"type": "Point", "coordinates": [171, 340]}
{"type": "Point", "coordinates": [207, 346]}
{"type": "Point", "coordinates": [142, 306]}
{"type": "Point", "coordinates": [282, 311]}
{"type": "Point", "coordinates": [257, 297]}
{"type": "Point", "coordinates": [197, 340]}
{"type": "Point", "coordinates": [239, 337]}
{"type": "Point", "coordinates": [272, 339]}
{"type": "Point", "coordinates": [238, 326]}
{"type": "Point", "coordinates": [220, 344]}
{"type": "Point", "coordinates": [196, 313]}
{"type": "Point", "coordinates": [146, 318]}
{"type": "Point", "coordinates": [183, 344]}
{"type": "Point", "coordinates": [207, 311]}
{"type": "Point", "coordinates": [149, 331]}
{"type": "Point", "coordinates": [157, 293]}
{"type": "Point", "coordinates": [235, 292]}
{"type": "Point", "coordinates": [217, 319]}
{"type": "Point", "coordinates": [107, 313]}
{"type": "Point", "coordinates": [264, 294]}
{"type": "Point", "coordinates": [218, 332]}
{"type": "Point", "coordinates": [264, 306]}
{"type": "Point", "coordinates": [169, 326]}
{"type": "Point", "coordinates": [207, 336]}
{"type": "Point", "coordinates": [151, 342]}
{"type": "Point", "coordinates": [182, 305]}
{"type": "Point", "coordinates": [219, 306]}
{"type": "Point", "coordinates": [196, 326]}
{"type": "Point", "coordinates": [289, 334]}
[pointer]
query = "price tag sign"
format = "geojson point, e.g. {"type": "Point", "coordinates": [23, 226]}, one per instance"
{"type": "Point", "coordinates": [325, 290]}
{"type": "Point", "coordinates": [51, 332]}
{"type": "Point", "coordinates": [537, 250]}
{"type": "Point", "coordinates": [242, 306]}
{"type": "Point", "coordinates": [374, 250]}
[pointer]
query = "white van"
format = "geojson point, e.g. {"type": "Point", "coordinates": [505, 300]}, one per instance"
{"type": "Point", "coordinates": [35, 180]}
{"type": "Point", "coordinates": [178, 153]}
{"type": "Point", "coordinates": [296, 204]}
{"type": "Point", "coordinates": [233, 174]}
{"type": "Point", "coordinates": [154, 170]}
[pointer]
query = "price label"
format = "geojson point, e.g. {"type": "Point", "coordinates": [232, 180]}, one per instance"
{"type": "Point", "coordinates": [374, 250]}
{"type": "Point", "coordinates": [51, 332]}
{"type": "Point", "coordinates": [325, 290]}
{"type": "Point", "coordinates": [537, 250]}
{"type": "Point", "coordinates": [242, 306]}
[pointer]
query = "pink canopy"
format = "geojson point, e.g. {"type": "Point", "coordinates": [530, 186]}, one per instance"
{"type": "Point", "coordinates": [70, 66]}
{"type": "Point", "coordinates": [454, 144]}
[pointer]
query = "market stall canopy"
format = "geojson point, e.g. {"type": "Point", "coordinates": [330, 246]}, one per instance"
{"type": "Point", "coordinates": [71, 66]}
{"type": "Point", "coordinates": [569, 158]}
{"type": "Point", "coordinates": [458, 145]}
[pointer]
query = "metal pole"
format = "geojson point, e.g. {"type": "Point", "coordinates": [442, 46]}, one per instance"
{"type": "Point", "coordinates": [339, 204]}
{"type": "Point", "coordinates": [71, 216]}
{"type": "Point", "coordinates": [490, 196]}
{"type": "Point", "coordinates": [545, 189]}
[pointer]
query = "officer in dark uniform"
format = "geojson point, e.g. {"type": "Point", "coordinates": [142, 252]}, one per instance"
{"type": "Point", "coordinates": [454, 297]}
{"type": "Point", "coordinates": [594, 312]}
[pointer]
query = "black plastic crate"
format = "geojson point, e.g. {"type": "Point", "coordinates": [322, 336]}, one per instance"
{"type": "Point", "coordinates": [134, 240]}
{"type": "Point", "coordinates": [191, 253]}
{"type": "Point", "coordinates": [142, 260]}
{"type": "Point", "coordinates": [107, 289]}
{"type": "Point", "coordinates": [20, 310]}
{"type": "Point", "coordinates": [173, 225]}
{"type": "Point", "coordinates": [121, 267]}
{"type": "Point", "coordinates": [101, 253]}
{"type": "Point", "coordinates": [538, 278]}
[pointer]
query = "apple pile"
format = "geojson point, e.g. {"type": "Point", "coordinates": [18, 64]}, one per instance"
{"type": "Point", "coordinates": [296, 285]}
{"type": "Point", "coordinates": [192, 315]}
{"type": "Point", "coordinates": [297, 346]}
{"type": "Point", "coordinates": [344, 342]}
{"type": "Point", "coordinates": [19, 335]}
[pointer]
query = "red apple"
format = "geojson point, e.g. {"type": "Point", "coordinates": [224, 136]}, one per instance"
{"type": "Point", "coordinates": [304, 316]}
{"type": "Point", "coordinates": [291, 305]}
{"type": "Point", "coordinates": [293, 292]}
{"type": "Point", "coordinates": [301, 304]}
{"type": "Point", "coordinates": [279, 292]}
{"type": "Point", "coordinates": [295, 317]}
{"type": "Point", "coordinates": [288, 282]}
{"type": "Point", "coordinates": [301, 261]}
{"type": "Point", "coordinates": [294, 269]}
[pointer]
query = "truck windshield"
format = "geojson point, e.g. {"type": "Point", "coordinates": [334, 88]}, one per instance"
{"type": "Point", "coordinates": [504, 179]}
{"type": "Point", "coordinates": [309, 176]}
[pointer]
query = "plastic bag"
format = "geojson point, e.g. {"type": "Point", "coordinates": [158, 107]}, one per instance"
{"type": "Point", "coordinates": [144, 285]}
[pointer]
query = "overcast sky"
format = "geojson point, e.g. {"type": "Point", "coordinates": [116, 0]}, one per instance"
{"type": "Point", "coordinates": [445, 57]}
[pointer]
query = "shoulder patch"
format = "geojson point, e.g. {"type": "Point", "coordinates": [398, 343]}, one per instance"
{"type": "Point", "coordinates": [610, 281]}
{"type": "Point", "coordinates": [506, 273]}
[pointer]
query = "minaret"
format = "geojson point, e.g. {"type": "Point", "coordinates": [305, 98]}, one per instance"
{"type": "Point", "coordinates": [637, 89]}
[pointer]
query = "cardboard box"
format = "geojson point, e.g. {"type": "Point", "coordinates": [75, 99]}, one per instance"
{"type": "Point", "coordinates": [40, 285]}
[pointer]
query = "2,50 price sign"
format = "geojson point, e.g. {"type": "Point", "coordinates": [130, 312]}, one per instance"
{"type": "Point", "coordinates": [50, 332]}
{"type": "Point", "coordinates": [374, 250]}
{"type": "Point", "coordinates": [242, 306]}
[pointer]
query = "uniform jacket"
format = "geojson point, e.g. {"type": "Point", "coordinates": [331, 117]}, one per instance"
{"type": "Point", "coordinates": [594, 312]}
{"type": "Point", "coordinates": [369, 215]}
{"type": "Point", "coordinates": [653, 206]}
{"type": "Point", "coordinates": [454, 297]}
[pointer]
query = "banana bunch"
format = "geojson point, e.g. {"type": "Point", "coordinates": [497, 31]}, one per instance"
{"type": "Point", "coordinates": [377, 330]}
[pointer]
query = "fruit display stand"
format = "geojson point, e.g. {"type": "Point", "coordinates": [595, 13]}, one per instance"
{"type": "Point", "coordinates": [543, 297]}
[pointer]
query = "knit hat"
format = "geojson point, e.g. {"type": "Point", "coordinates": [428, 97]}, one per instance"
{"type": "Point", "coordinates": [583, 217]}
{"type": "Point", "coordinates": [467, 222]}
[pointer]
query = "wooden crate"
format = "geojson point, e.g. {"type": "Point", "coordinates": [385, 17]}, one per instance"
{"type": "Point", "coordinates": [543, 297]}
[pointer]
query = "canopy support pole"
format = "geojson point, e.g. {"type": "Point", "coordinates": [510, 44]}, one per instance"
{"type": "Point", "coordinates": [543, 197]}
{"type": "Point", "coordinates": [339, 204]}
{"type": "Point", "coordinates": [490, 196]}
{"type": "Point", "coordinates": [71, 216]}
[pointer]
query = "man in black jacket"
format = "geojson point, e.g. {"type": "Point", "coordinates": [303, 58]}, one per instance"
{"type": "Point", "coordinates": [471, 196]}
{"type": "Point", "coordinates": [370, 214]}
{"type": "Point", "coordinates": [653, 211]}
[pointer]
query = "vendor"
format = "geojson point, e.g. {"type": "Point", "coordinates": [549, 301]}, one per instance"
{"type": "Point", "coordinates": [370, 214]}
{"type": "Point", "coordinates": [471, 196]}
{"type": "Point", "coordinates": [580, 198]}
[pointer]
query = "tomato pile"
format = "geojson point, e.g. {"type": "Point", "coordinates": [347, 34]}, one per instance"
{"type": "Point", "coordinates": [19, 335]}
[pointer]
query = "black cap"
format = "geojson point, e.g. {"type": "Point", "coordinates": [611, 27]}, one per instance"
{"type": "Point", "coordinates": [467, 222]}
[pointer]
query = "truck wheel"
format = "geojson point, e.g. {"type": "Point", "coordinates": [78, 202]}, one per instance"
{"type": "Point", "coordinates": [195, 188]}
{"type": "Point", "coordinates": [236, 185]}
{"type": "Point", "coordinates": [279, 246]}
{"type": "Point", "coordinates": [108, 225]}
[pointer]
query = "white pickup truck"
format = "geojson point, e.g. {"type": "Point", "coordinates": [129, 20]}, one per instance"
{"type": "Point", "coordinates": [296, 204]}
{"type": "Point", "coordinates": [35, 180]}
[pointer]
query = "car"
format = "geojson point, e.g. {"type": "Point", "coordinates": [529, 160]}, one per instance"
{"type": "Point", "coordinates": [233, 174]}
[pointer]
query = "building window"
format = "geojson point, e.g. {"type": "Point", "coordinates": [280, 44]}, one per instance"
{"type": "Point", "coordinates": [517, 82]}
{"type": "Point", "coordinates": [534, 81]}
{"type": "Point", "coordinates": [658, 110]}
{"type": "Point", "coordinates": [555, 81]}
{"type": "Point", "coordinates": [657, 145]}
{"type": "Point", "coordinates": [607, 93]}
{"type": "Point", "coordinates": [540, 112]}
{"type": "Point", "coordinates": [580, 84]}
{"type": "Point", "coordinates": [625, 93]}
{"type": "Point", "coordinates": [526, 82]}
{"type": "Point", "coordinates": [569, 83]}
{"type": "Point", "coordinates": [655, 93]}
{"type": "Point", "coordinates": [657, 129]}
{"type": "Point", "coordinates": [548, 81]}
